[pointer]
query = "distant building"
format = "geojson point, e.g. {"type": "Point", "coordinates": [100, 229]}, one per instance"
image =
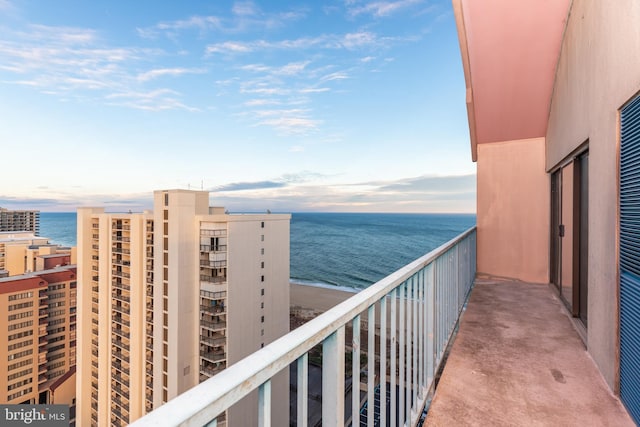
{"type": "Point", "coordinates": [20, 220]}
{"type": "Point", "coordinates": [23, 252]}
{"type": "Point", "coordinates": [38, 337]}
{"type": "Point", "coordinates": [172, 298]}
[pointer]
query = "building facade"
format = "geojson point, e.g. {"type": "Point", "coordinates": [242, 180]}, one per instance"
{"type": "Point", "coordinates": [38, 344]}
{"type": "Point", "coordinates": [24, 252]}
{"type": "Point", "coordinates": [553, 105]}
{"type": "Point", "coordinates": [172, 297]}
{"type": "Point", "coordinates": [22, 220]}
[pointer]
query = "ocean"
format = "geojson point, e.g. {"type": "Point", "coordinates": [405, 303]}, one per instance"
{"type": "Point", "coordinates": [350, 250]}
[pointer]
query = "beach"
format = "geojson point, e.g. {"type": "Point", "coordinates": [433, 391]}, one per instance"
{"type": "Point", "coordinates": [307, 301]}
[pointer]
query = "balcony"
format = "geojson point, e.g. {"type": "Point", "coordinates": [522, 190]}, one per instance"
{"type": "Point", "coordinates": [213, 295]}
{"type": "Point", "coordinates": [213, 340]}
{"type": "Point", "coordinates": [215, 248]}
{"type": "Point", "coordinates": [206, 263]}
{"type": "Point", "coordinates": [518, 358]}
{"type": "Point", "coordinates": [214, 356]}
{"type": "Point", "coordinates": [213, 326]}
{"type": "Point", "coordinates": [120, 332]}
{"type": "Point", "coordinates": [212, 279]}
{"type": "Point", "coordinates": [416, 308]}
{"type": "Point", "coordinates": [214, 309]}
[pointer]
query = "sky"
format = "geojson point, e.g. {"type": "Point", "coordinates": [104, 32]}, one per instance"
{"type": "Point", "coordinates": [337, 106]}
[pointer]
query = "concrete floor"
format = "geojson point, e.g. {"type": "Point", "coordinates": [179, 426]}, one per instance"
{"type": "Point", "coordinates": [518, 361]}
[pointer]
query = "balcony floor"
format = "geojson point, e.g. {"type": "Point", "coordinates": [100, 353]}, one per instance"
{"type": "Point", "coordinates": [517, 360]}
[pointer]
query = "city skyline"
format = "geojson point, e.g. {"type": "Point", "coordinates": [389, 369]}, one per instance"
{"type": "Point", "coordinates": [346, 106]}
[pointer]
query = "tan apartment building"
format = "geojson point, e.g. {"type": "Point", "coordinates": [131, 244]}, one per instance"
{"type": "Point", "coordinates": [20, 220]}
{"type": "Point", "coordinates": [38, 337]}
{"type": "Point", "coordinates": [172, 297]}
{"type": "Point", "coordinates": [554, 116]}
{"type": "Point", "coordinates": [24, 252]}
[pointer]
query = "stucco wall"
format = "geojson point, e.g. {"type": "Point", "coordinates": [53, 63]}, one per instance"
{"type": "Point", "coordinates": [597, 74]}
{"type": "Point", "coordinates": [513, 210]}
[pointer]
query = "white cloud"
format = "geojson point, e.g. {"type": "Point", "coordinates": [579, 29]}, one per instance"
{"type": "Point", "coordinates": [159, 72]}
{"type": "Point", "coordinates": [291, 125]}
{"type": "Point", "coordinates": [382, 8]}
{"type": "Point", "coordinates": [245, 8]}
{"type": "Point", "coordinates": [349, 41]}
{"type": "Point", "coordinates": [260, 102]}
{"type": "Point", "coordinates": [314, 90]}
{"type": "Point", "coordinates": [339, 75]}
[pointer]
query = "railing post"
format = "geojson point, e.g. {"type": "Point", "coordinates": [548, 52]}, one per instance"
{"type": "Point", "coordinates": [421, 337]}
{"type": "Point", "coordinates": [430, 306]}
{"type": "Point", "coordinates": [371, 364]}
{"type": "Point", "coordinates": [408, 384]}
{"type": "Point", "coordinates": [383, 361]}
{"type": "Point", "coordinates": [401, 382]}
{"type": "Point", "coordinates": [264, 404]}
{"type": "Point", "coordinates": [333, 379]}
{"type": "Point", "coordinates": [303, 389]}
{"type": "Point", "coordinates": [394, 360]}
{"type": "Point", "coordinates": [415, 363]}
{"type": "Point", "coordinates": [355, 372]}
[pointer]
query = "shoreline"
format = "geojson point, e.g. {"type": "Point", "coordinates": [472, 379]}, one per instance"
{"type": "Point", "coordinates": [315, 298]}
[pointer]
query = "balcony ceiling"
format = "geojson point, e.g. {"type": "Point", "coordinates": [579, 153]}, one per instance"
{"type": "Point", "coordinates": [510, 50]}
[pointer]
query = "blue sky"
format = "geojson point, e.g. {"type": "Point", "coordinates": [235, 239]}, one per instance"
{"type": "Point", "coordinates": [289, 106]}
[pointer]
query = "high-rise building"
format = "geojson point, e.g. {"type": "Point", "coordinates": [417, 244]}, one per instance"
{"type": "Point", "coordinates": [172, 298]}
{"type": "Point", "coordinates": [23, 220]}
{"type": "Point", "coordinates": [38, 337]}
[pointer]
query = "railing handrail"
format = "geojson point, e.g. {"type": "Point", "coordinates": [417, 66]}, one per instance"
{"type": "Point", "coordinates": [204, 402]}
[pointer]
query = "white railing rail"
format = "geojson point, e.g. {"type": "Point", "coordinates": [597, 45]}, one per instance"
{"type": "Point", "coordinates": [417, 308]}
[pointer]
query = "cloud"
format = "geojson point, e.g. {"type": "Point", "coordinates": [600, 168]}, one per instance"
{"type": "Point", "coordinates": [160, 72]}
{"type": "Point", "coordinates": [314, 90]}
{"type": "Point", "coordinates": [260, 102]}
{"type": "Point", "coordinates": [155, 100]}
{"type": "Point", "coordinates": [240, 186]}
{"type": "Point", "coordinates": [75, 64]}
{"type": "Point", "coordinates": [244, 16]}
{"type": "Point", "coordinates": [382, 8]}
{"type": "Point", "coordinates": [348, 41]}
{"type": "Point", "coordinates": [292, 125]}
{"type": "Point", "coordinates": [293, 192]}
{"type": "Point", "coordinates": [69, 202]}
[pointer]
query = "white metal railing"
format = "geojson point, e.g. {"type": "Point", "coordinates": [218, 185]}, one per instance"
{"type": "Point", "coordinates": [417, 308]}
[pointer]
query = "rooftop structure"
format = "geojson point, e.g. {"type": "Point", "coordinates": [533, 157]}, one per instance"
{"type": "Point", "coordinates": [24, 252]}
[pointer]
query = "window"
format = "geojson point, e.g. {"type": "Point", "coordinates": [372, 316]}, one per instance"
{"type": "Point", "coordinates": [262, 238]}
{"type": "Point", "coordinates": [262, 278]}
{"type": "Point", "coordinates": [262, 224]}
{"type": "Point", "coordinates": [262, 291]}
{"type": "Point", "coordinates": [262, 251]}
{"type": "Point", "coordinates": [166, 199]}
{"type": "Point", "coordinates": [262, 332]}
{"type": "Point", "coordinates": [261, 319]}
{"type": "Point", "coordinates": [262, 304]}
{"type": "Point", "coordinates": [262, 264]}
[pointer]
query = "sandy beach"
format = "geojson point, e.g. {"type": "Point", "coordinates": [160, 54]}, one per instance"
{"type": "Point", "coordinates": [316, 298]}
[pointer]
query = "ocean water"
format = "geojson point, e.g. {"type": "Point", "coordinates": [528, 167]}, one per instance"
{"type": "Point", "coordinates": [59, 227]}
{"type": "Point", "coordinates": [335, 249]}
{"type": "Point", "coordinates": [357, 250]}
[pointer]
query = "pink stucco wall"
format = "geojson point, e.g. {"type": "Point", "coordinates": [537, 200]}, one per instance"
{"type": "Point", "coordinates": [513, 210]}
